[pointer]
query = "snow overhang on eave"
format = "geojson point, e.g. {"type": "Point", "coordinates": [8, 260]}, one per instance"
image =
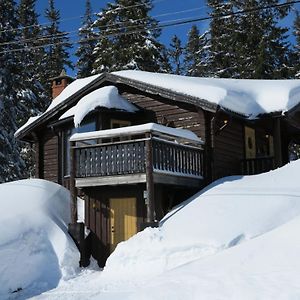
{"type": "Point", "coordinates": [163, 92]}
{"type": "Point", "coordinates": [23, 134]}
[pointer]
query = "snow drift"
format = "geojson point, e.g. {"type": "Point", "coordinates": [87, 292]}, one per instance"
{"type": "Point", "coordinates": [230, 211]}
{"type": "Point", "coordinates": [237, 239]}
{"type": "Point", "coordinates": [35, 249]}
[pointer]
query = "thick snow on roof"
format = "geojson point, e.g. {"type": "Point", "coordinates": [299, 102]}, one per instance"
{"type": "Point", "coordinates": [29, 121]}
{"type": "Point", "coordinates": [244, 96]}
{"type": "Point", "coordinates": [136, 129]}
{"type": "Point", "coordinates": [36, 251]}
{"type": "Point", "coordinates": [107, 96]}
{"type": "Point", "coordinates": [71, 89]}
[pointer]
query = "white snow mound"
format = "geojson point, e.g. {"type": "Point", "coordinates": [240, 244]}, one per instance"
{"type": "Point", "coordinates": [107, 96]}
{"type": "Point", "coordinates": [35, 250]}
{"type": "Point", "coordinates": [230, 211]}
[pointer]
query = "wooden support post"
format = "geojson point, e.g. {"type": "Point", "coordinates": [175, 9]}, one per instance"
{"type": "Point", "coordinates": [277, 143]}
{"type": "Point", "coordinates": [149, 180]}
{"type": "Point", "coordinates": [73, 188]}
{"type": "Point", "coordinates": [208, 147]}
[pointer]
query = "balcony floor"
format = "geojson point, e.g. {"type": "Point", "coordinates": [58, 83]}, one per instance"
{"type": "Point", "coordinates": [168, 179]}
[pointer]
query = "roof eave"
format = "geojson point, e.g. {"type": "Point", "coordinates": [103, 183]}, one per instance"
{"type": "Point", "coordinates": [64, 104]}
{"type": "Point", "coordinates": [163, 92]}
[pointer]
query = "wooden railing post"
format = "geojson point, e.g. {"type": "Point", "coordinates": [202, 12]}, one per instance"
{"type": "Point", "coordinates": [73, 189]}
{"type": "Point", "coordinates": [149, 179]}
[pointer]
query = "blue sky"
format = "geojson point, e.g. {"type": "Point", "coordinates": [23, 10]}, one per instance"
{"type": "Point", "coordinates": [71, 11]}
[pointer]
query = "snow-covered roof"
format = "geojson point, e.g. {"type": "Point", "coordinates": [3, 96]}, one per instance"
{"type": "Point", "coordinates": [247, 97]}
{"type": "Point", "coordinates": [107, 96]}
{"type": "Point", "coordinates": [71, 89]}
{"type": "Point", "coordinates": [137, 129]}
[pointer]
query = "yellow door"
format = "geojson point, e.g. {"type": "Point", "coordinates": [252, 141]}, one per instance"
{"type": "Point", "coordinates": [123, 220]}
{"type": "Point", "coordinates": [250, 144]}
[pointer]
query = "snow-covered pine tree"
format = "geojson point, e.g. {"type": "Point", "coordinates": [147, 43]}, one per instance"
{"type": "Point", "coordinates": [127, 37]}
{"type": "Point", "coordinates": [165, 65]}
{"type": "Point", "coordinates": [196, 53]}
{"type": "Point", "coordinates": [11, 164]}
{"type": "Point", "coordinates": [261, 44]}
{"type": "Point", "coordinates": [175, 53]}
{"type": "Point", "coordinates": [29, 35]}
{"type": "Point", "coordinates": [296, 52]}
{"type": "Point", "coordinates": [33, 99]}
{"type": "Point", "coordinates": [87, 44]}
{"type": "Point", "coordinates": [56, 43]}
{"type": "Point", "coordinates": [222, 60]}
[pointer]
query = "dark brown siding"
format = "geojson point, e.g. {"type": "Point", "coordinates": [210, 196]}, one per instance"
{"type": "Point", "coordinates": [172, 113]}
{"type": "Point", "coordinates": [50, 157]}
{"type": "Point", "coordinates": [228, 150]}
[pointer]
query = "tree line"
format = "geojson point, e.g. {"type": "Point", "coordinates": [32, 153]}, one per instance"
{"type": "Point", "coordinates": [124, 35]}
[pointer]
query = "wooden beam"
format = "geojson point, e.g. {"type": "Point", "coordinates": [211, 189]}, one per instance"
{"type": "Point", "coordinates": [209, 147]}
{"type": "Point", "coordinates": [277, 143]}
{"type": "Point", "coordinates": [149, 179]}
{"type": "Point", "coordinates": [110, 180]}
{"type": "Point", "coordinates": [177, 180]}
{"type": "Point", "coordinates": [73, 189]}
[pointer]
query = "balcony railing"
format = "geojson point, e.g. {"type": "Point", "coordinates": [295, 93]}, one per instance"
{"type": "Point", "coordinates": [257, 165]}
{"type": "Point", "coordinates": [110, 159]}
{"type": "Point", "coordinates": [114, 154]}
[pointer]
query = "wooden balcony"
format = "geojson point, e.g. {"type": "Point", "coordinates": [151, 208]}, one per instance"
{"type": "Point", "coordinates": [111, 157]}
{"type": "Point", "coordinates": [257, 165]}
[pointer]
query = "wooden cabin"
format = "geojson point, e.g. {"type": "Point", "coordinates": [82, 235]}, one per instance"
{"type": "Point", "coordinates": [163, 140]}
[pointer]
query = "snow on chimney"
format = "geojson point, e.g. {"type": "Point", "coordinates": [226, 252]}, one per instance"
{"type": "Point", "coordinates": [59, 83]}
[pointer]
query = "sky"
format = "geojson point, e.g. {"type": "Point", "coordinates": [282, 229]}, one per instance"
{"type": "Point", "coordinates": [164, 10]}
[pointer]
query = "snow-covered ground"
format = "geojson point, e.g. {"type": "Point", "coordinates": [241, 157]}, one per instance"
{"type": "Point", "coordinates": [237, 239]}
{"type": "Point", "coordinates": [35, 250]}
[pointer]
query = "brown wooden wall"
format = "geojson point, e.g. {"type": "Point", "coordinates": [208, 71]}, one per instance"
{"type": "Point", "coordinates": [48, 160]}
{"type": "Point", "coordinates": [176, 114]}
{"type": "Point", "coordinates": [228, 149]}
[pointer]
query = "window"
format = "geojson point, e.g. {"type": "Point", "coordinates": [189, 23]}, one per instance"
{"type": "Point", "coordinates": [118, 124]}
{"type": "Point", "coordinates": [86, 127]}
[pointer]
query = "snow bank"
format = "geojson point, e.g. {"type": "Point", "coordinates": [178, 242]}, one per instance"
{"type": "Point", "coordinates": [230, 211]}
{"type": "Point", "coordinates": [266, 267]}
{"type": "Point", "coordinates": [107, 96]}
{"type": "Point", "coordinates": [238, 239]}
{"type": "Point", "coordinates": [35, 250]}
{"type": "Point", "coordinates": [244, 96]}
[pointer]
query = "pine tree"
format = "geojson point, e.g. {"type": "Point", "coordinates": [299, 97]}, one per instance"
{"type": "Point", "coordinates": [269, 58]}
{"type": "Point", "coordinates": [30, 56]}
{"type": "Point", "coordinates": [296, 53]}
{"type": "Point", "coordinates": [222, 59]}
{"type": "Point", "coordinates": [165, 65]}
{"type": "Point", "coordinates": [127, 37]}
{"type": "Point", "coordinates": [87, 44]}
{"type": "Point", "coordinates": [11, 94]}
{"type": "Point", "coordinates": [196, 53]}
{"type": "Point", "coordinates": [34, 99]}
{"type": "Point", "coordinates": [176, 52]}
{"type": "Point", "coordinates": [56, 46]}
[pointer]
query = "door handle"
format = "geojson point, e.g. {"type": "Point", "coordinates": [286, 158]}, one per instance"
{"type": "Point", "coordinates": [112, 229]}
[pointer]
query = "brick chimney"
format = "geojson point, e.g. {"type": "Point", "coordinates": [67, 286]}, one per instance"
{"type": "Point", "coordinates": [59, 83]}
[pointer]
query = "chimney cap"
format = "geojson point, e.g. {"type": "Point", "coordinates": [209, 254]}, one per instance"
{"type": "Point", "coordinates": [63, 75]}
